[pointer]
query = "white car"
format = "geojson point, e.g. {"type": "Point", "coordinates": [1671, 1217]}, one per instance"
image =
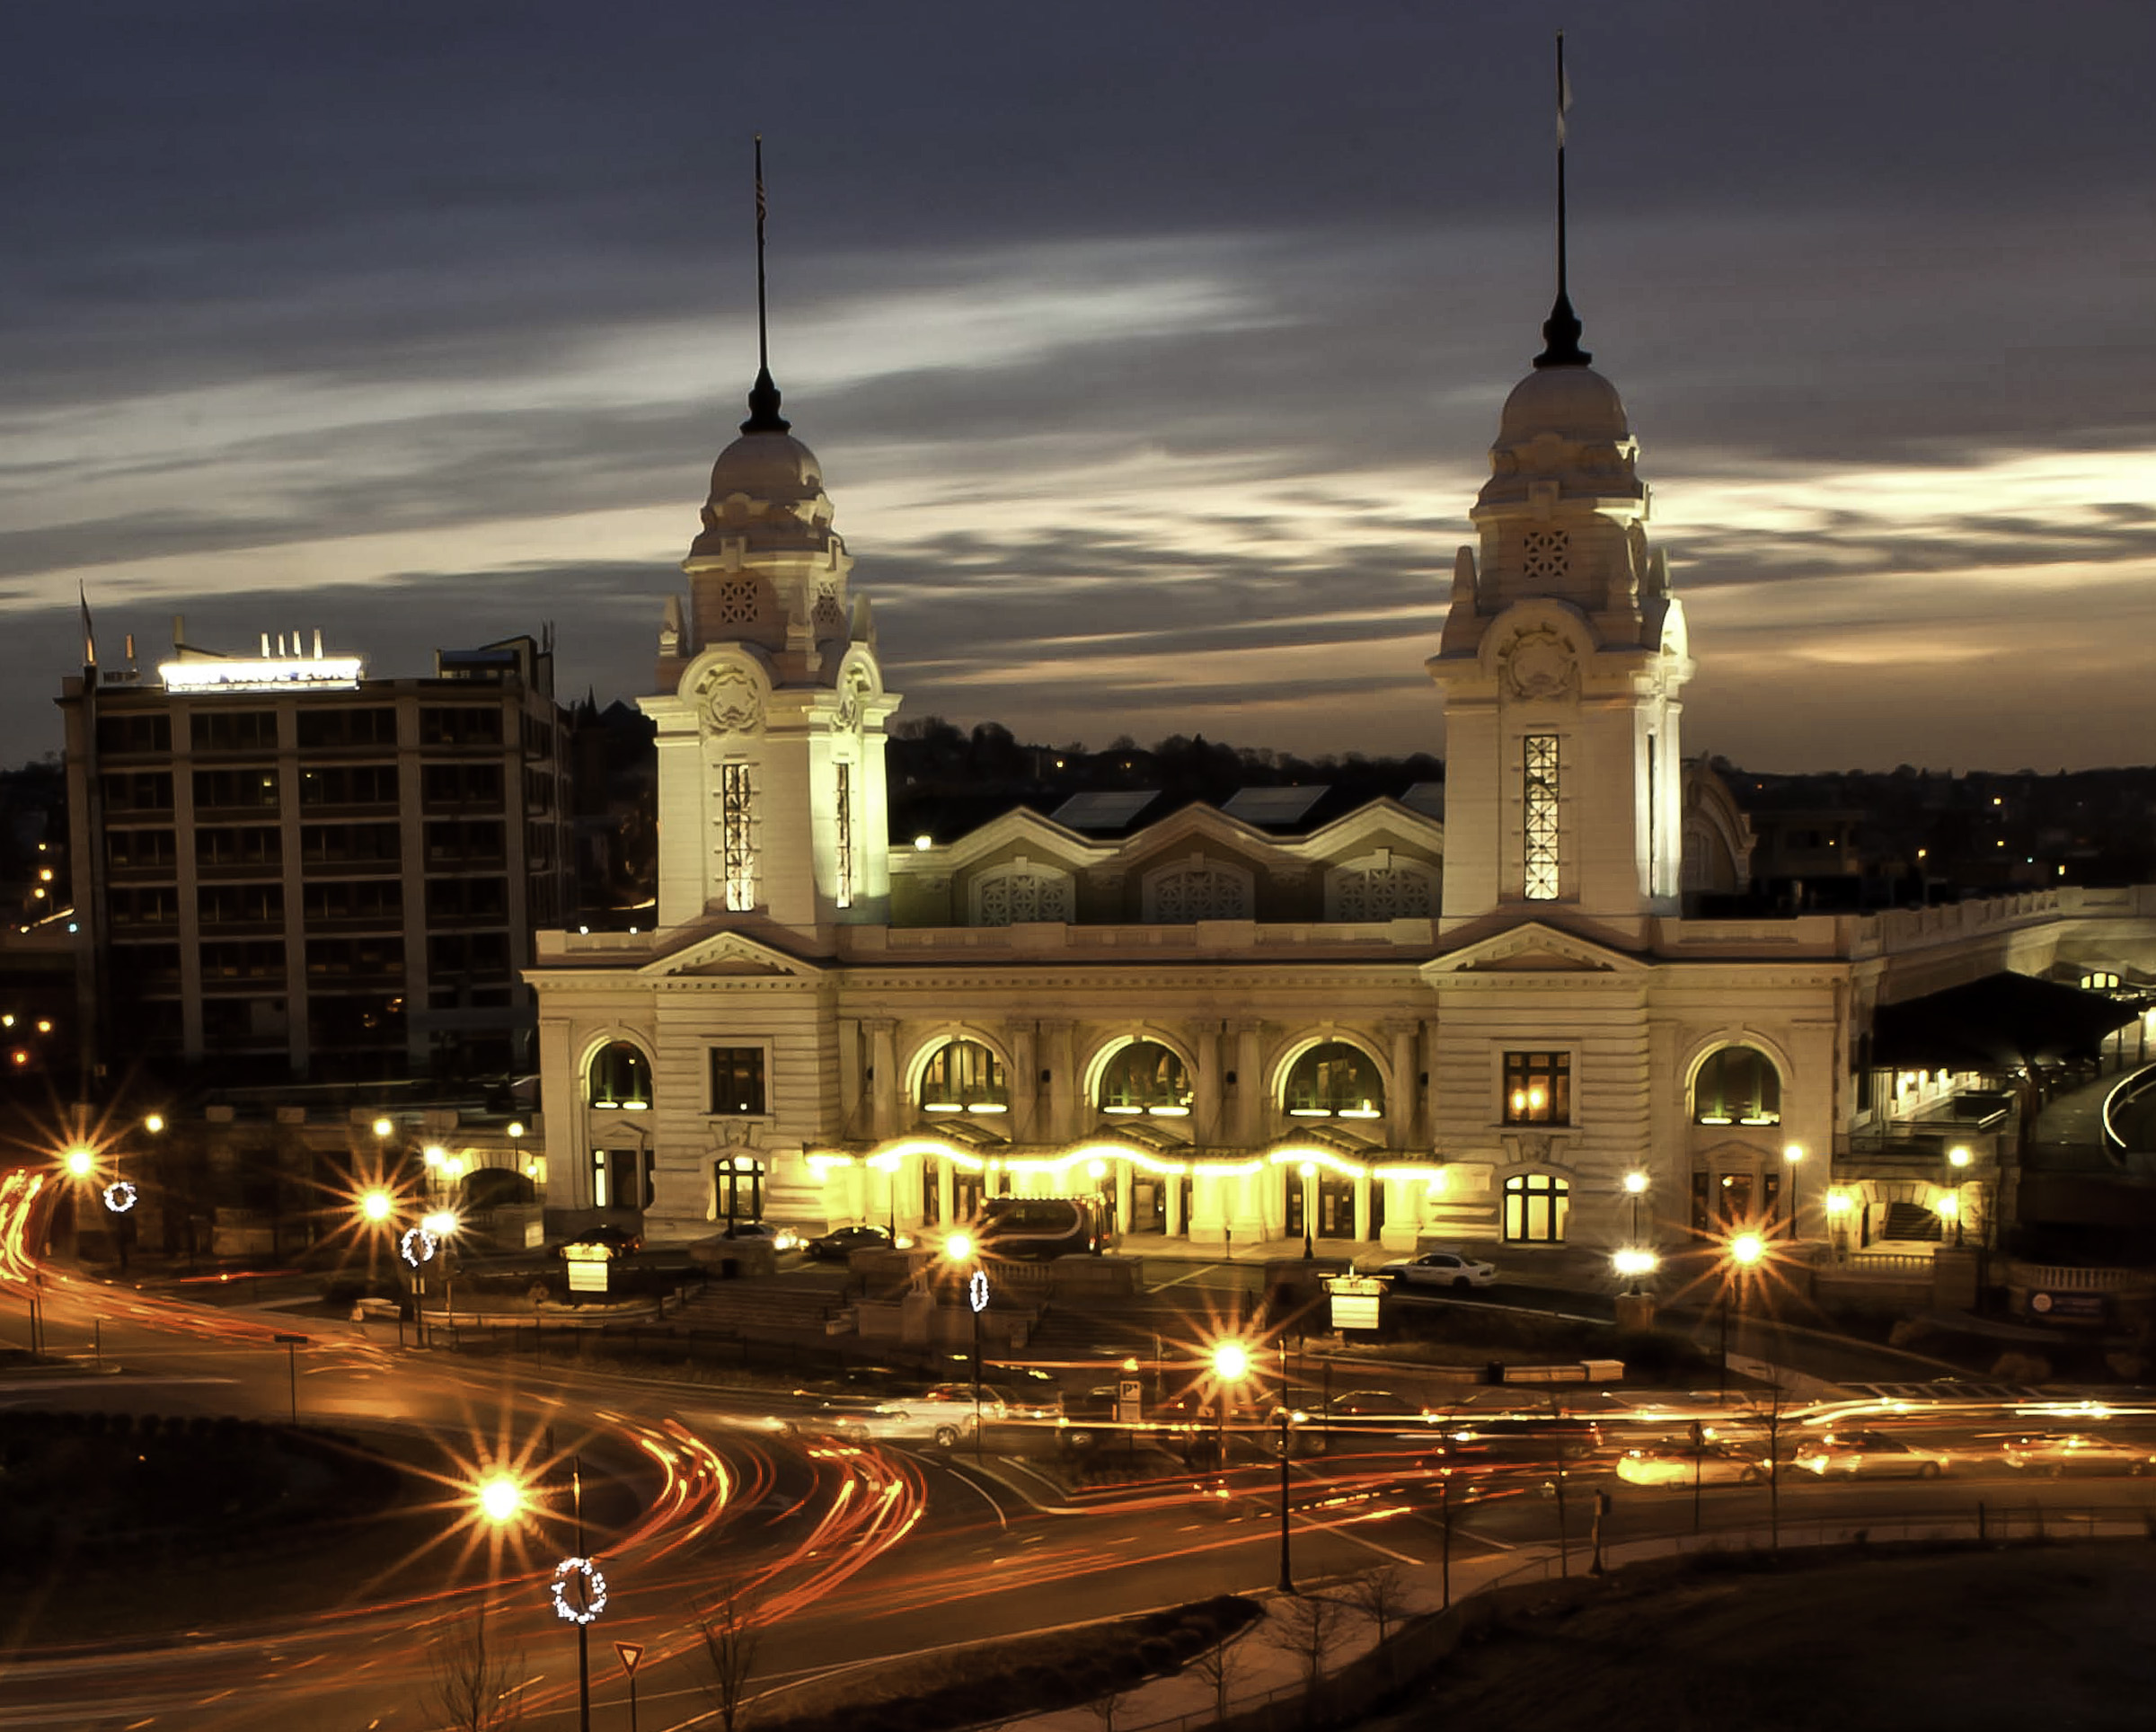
{"type": "Point", "coordinates": [1675, 1470]}
{"type": "Point", "coordinates": [943, 1416]}
{"type": "Point", "coordinates": [1869, 1455]}
{"type": "Point", "coordinates": [1440, 1268]}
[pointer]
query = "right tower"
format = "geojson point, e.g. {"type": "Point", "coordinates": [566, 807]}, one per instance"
{"type": "Point", "coordinates": [1561, 662]}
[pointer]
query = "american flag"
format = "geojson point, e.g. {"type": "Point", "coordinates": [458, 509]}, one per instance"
{"type": "Point", "coordinates": [1564, 91]}
{"type": "Point", "coordinates": [762, 208]}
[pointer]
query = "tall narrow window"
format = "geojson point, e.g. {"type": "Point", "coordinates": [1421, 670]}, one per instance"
{"type": "Point", "coordinates": [1654, 887]}
{"type": "Point", "coordinates": [738, 854]}
{"type": "Point", "coordinates": [844, 893]}
{"type": "Point", "coordinates": [1540, 818]}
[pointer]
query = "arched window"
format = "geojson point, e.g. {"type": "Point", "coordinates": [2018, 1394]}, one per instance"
{"type": "Point", "coordinates": [2100, 980]}
{"type": "Point", "coordinates": [619, 1076]}
{"type": "Point", "coordinates": [1738, 1085]}
{"type": "Point", "coordinates": [964, 1076]}
{"type": "Point", "coordinates": [1146, 1077]}
{"type": "Point", "coordinates": [1334, 1080]}
{"type": "Point", "coordinates": [1536, 1204]}
{"type": "Point", "coordinates": [1021, 891]}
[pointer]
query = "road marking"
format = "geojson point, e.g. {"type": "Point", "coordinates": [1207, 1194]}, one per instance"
{"type": "Point", "coordinates": [967, 1480]}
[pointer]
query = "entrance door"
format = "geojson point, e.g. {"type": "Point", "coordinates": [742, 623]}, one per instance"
{"type": "Point", "coordinates": [739, 1183]}
{"type": "Point", "coordinates": [1732, 1200]}
{"type": "Point", "coordinates": [1146, 1205]}
{"type": "Point", "coordinates": [1336, 1206]}
{"type": "Point", "coordinates": [965, 1195]}
{"type": "Point", "coordinates": [1294, 1204]}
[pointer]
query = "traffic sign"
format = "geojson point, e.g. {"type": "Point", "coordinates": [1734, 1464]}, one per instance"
{"type": "Point", "coordinates": [631, 1653]}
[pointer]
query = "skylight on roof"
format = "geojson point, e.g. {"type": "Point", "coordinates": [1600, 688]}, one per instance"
{"type": "Point", "coordinates": [1105, 809]}
{"type": "Point", "coordinates": [1263, 806]}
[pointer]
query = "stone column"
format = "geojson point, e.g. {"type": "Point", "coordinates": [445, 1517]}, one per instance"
{"type": "Point", "coordinates": [1428, 1138]}
{"type": "Point", "coordinates": [1205, 1084]}
{"type": "Point", "coordinates": [1404, 1215]}
{"type": "Point", "coordinates": [884, 1085]}
{"type": "Point", "coordinates": [1250, 1086]}
{"type": "Point", "coordinates": [1362, 1207]}
{"type": "Point", "coordinates": [1248, 1221]}
{"type": "Point", "coordinates": [1063, 1086]}
{"type": "Point", "coordinates": [1122, 1197]}
{"type": "Point", "coordinates": [1175, 1204]}
{"type": "Point", "coordinates": [1025, 1083]}
{"type": "Point", "coordinates": [1407, 1092]}
{"type": "Point", "coordinates": [945, 1190]}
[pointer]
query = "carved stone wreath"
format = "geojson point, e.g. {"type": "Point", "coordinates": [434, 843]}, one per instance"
{"type": "Point", "coordinates": [852, 694]}
{"type": "Point", "coordinates": [730, 701]}
{"type": "Point", "coordinates": [1539, 666]}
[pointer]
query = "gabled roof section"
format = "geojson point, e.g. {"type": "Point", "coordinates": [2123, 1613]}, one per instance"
{"type": "Point", "coordinates": [1021, 824]}
{"type": "Point", "coordinates": [1535, 948]}
{"type": "Point", "coordinates": [1371, 818]}
{"type": "Point", "coordinates": [730, 953]}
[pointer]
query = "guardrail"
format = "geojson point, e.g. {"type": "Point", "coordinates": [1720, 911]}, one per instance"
{"type": "Point", "coordinates": [1422, 1642]}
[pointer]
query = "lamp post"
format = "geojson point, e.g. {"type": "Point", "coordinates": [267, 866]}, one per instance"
{"type": "Point", "coordinates": [1309, 1172]}
{"type": "Point", "coordinates": [1635, 1187]}
{"type": "Point", "coordinates": [1231, 1366]}
{"type": "Point", "coordinates": [1744, 1253]}
{"type": "Point", "coordinates": [1957, 1158]}
{"type": "Point", "coordinates": [1633, 1262]}
{"type": "Point", "coordinates": [1792, 1155]}
{"type": "Point", "coordinates": [576, 1492]}
{"type": "Point", "coordinates": [1289, 1580]}
{"type": "Point", "coordinates": [961, 1252]}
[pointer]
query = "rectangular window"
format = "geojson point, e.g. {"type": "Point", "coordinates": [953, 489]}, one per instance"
{"type": "Point", "coordinates": [126, 733]}
{"type": "Point", "coordinates": [738, 1081]}
{"type": "Point", "coordinates": [464, 725]}
{"type": "Point", "coordinates": [349, 784]}
{"type": "Point", "coordinates": [736, 849]}
{"type": "Point", "coordinates": [233, 730]}
{"type": "Point", "coordinates": [1538, 1088]}
{"type": "Point", "coordinates": [615, 1176]}
{"type": "Point", "coordinates": [342, 728]}
{"type": "Point", "coordinates": [216, 789]}
{"type": "Point", "coordinates": [1539, 818]}
{"type": "Point", "coordinates": [845, 895]}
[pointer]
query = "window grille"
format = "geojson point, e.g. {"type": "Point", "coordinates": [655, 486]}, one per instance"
{"type": "Point", "coordinates": [843, 893]}
{"type": "Point", "coordinates": [1547, 555]}
{"type": "Point", "coordinates": [738, 854]}
{"type": "Point", "coordinates": [1540, 818]}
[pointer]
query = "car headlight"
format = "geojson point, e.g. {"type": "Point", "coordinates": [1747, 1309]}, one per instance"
{"type": "Point", "coordinates": [904, 1242]}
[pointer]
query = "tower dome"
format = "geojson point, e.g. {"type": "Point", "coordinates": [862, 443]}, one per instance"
{"type": "Point", "coordinates": [1577, 403]}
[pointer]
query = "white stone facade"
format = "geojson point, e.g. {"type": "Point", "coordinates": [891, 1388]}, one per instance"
{"type": "Point", "coordinates": [1390, 1029]}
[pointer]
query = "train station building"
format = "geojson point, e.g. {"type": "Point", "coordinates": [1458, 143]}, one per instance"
{"type": "Point", "coordinates": [1488, 1014]}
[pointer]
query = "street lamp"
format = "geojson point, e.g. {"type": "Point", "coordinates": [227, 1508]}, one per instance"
{"type": "Point", "coordinates": [1743, 1254]}
{"type": "Point", "coordinates": [1635, 1187]}
{"type": "Point", "coordinates": [960, 1251]}
{"type": "Point", "coordinates": [1958, 1158]}
{"type": "Point", "coordinates": [1950, 1209]}
{"type": "Point", "coordinates": [1231, 1366]}
{"type": "Point", "coordinates": [1634, 1262]}
{"type": "Point", "coordinates": [1288, 1419]}
{"type": "Point", "coordinates": [80, 1161]}
{"type": "Point", "coordinates": [1793, 1154]}
{"type": "Point", "coordinates": [500, 1498]}
{"type": "Point", "coordinates": [1308, 1171]}
{"type": "Point", "coordinates": [375, 1207]}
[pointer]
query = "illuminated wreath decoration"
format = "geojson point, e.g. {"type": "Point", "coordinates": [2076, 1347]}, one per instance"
{"type": "Point", "coordinates": [418, 1245]}
{"type": "Point", "coordinates": [977, 1291]}
{"type": "Point", "coordinates": [119, 1196]}
{"type": "Point", "coordinates": [595, 1590]}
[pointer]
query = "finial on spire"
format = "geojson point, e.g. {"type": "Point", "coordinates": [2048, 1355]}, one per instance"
{"type": "Point", "coordinates": [1561, 329]}
{"type": "Point", "coordinates": [763, 415]}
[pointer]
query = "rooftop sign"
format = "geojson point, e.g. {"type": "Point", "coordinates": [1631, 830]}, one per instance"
{"type": "Point", "coordinates": [270, 673]}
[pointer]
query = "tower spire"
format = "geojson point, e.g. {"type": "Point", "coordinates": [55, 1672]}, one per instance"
{"type": "Point", "coordinates": [763, 415]}
{"type": "Point", "coordinates": [1561, 329]}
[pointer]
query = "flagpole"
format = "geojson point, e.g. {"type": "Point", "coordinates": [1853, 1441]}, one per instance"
{"type": "Point", "coordinates": [1561, 330]}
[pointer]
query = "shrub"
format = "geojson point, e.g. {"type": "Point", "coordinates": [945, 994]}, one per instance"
{"type": "Point", "coordinates": [1158, 1655]}
{"type": "Point", "coordinates": [2014, 1366]}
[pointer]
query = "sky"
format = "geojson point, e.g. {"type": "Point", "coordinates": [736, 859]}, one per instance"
{"type": "Point", "coordinates": [1152, 352]}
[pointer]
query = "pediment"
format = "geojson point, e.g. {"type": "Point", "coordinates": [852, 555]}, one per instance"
{"type": "Point", "coordinates": [730, 954]}
{"type": "Point", "coordinates": [1535, 948]}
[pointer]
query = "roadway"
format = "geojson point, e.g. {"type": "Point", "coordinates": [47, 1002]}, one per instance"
{"type": "Point", "coordinates": [850, 1553]}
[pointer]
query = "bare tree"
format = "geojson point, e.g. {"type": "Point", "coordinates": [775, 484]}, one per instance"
{"type": "Point", "coordinates": [1107, 1706]}
{"type": "Point", "coordinates": [1218, 1668]}
{"type": "Point", "coordinates": [1309, 1622]}
{"type": "Point", "coordinates": [478, 1682]}
{"type": "Point", "coordinates": [1380, 1595]}
{"type": "Point", "coordinates": [731, 1636]}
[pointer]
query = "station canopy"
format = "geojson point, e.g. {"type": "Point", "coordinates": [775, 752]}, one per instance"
{"type": "Point", "coordinates": [2000, 1022]}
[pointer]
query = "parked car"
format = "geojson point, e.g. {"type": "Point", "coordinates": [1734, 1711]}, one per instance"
{"type": "Point", "coordinates": [1868, 1456]}
{"type": "Point", "coordinates": [619, 1241]}
{"type": "Point", "coordinates": [777, 1238]}
{"type": "Point", "coordinates": [1676, 1470]}
{"type": "Point", "coordinates": [1440, 1268]}
{"type": "Point", "coordinates": [2075, 1451]}
{"type": "Point", "coordinates": [841, 1243]}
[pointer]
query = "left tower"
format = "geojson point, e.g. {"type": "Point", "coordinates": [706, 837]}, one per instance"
{"type": "Point", "coordinates": [771, 709]}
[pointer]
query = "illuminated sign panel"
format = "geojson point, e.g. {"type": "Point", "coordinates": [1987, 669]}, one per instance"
{"type": "Point", "coordinates": [270, 673]}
